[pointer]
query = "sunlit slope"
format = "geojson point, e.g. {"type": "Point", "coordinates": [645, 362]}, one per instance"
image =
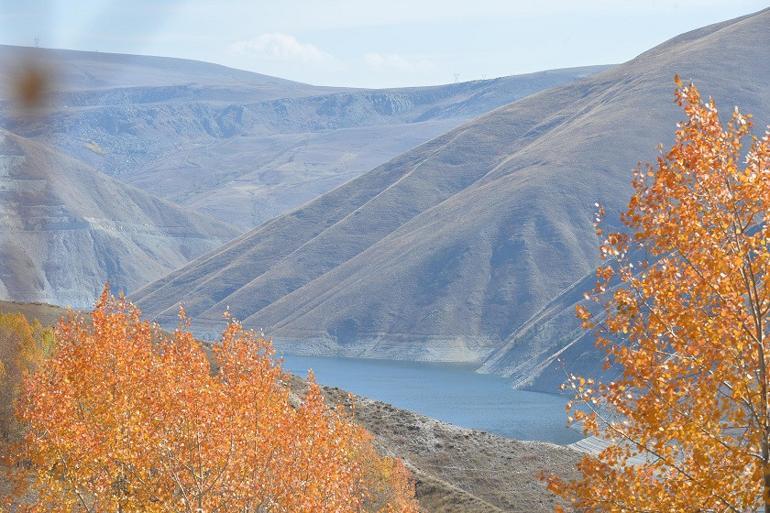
{"type": "Point", "coordinates": [443, 252]}
{"type": "Point", "coordinates": [67, 229]}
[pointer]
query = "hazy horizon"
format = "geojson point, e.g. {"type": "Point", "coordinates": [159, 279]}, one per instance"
{"type": "Point", "coordinates": [355, 43]}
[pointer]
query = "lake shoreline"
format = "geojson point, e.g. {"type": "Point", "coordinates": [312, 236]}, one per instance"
{"type": "Point", "coordinates": [449, 392]}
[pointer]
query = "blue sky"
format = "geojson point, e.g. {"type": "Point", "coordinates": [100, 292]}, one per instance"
{"type": "Point", "coordinates": [364, 43]}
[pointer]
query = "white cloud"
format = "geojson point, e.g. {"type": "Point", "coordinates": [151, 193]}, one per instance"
{"type": "Point", "coordinates": [395, 62]}
{"type": "Point", "coordinates": [280, 47]}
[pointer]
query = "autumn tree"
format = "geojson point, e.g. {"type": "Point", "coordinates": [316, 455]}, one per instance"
{"type": "Point", "coordinates": [23, 345]}
{"type": "Point", "coordinates": [126, 418]}
{"type": "Point", "coordinates": [683, 313]}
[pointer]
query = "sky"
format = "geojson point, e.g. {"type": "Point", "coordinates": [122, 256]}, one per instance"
{"type": "Point", "coordinates": [362, 43]}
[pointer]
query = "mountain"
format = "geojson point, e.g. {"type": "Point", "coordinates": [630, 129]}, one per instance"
{"type": "Point", "coordinates": [240, 146]}
{"type": "Point", "coordinates": [83, 78]}
{"type": "Point", "coordinates": [67, 228]}
{"type": "Point", "coordinates": [444, 252]}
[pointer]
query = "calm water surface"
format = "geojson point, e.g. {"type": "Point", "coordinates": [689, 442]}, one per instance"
{"type": "Point", "coordinates": [449, 392]}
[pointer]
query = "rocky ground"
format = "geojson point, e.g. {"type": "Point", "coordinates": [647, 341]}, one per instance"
{"type": "Point", "coordinates": [457, 469]}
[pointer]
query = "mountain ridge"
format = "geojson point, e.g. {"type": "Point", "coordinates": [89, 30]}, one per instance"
{"type": "Point", "coordinates": [245, 148]}
{"type": "Point", "coordinates": [445, 251]}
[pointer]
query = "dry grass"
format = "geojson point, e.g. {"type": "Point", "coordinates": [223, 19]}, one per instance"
{"type": "Point", "coordinates": [45, 313]}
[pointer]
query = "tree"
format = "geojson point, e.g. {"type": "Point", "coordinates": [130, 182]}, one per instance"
{"type": "Point", "coordinates": [126, 418]}
{"type": "Point", "coordinates": [687, 324]}
{"type": "Point", "coordinates": [23, 345]}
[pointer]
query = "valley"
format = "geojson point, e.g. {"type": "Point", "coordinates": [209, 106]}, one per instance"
{"type": "Point", "coordinates": [241, 147]}
{"type": "Point", "coordinates": [462, 248]}
{"type": "Point", "coordinates": [427, 255]}
{"type": "Point", "coordinates": [221, 147]}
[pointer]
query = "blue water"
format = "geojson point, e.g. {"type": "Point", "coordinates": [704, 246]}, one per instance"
{"type": "Point", "coordinates": [449, 392]}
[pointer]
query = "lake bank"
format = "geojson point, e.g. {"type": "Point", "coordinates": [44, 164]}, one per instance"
{"type": "Point", "coordinates": [452, 393]}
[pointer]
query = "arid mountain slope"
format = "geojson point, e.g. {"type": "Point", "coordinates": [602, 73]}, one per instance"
{"type": "Point", "coordinates": [445, 251]}
{"type": "Point", "coordinates": [240, 146]}
{"type": "Point", "coordinates": [552, 344]}
{"type": "Point", "coordinates": [67, 228]}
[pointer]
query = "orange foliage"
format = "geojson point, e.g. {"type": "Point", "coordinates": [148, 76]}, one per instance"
{"type": "Point", "coordinates": [126, 418]}
{"type": "Point", "coordinates": [22, 346]}
{"type": "Point", "coordinates": [688, 418]}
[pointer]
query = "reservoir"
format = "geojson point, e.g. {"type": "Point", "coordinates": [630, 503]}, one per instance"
{"type": "Point", "coordinates": [452, 393]}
